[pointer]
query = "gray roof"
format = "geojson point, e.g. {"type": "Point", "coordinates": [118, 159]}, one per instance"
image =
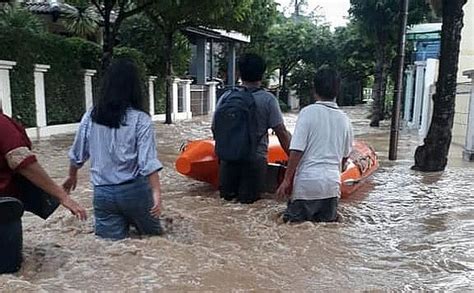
{"type": "Point", "coordinates": [45, 7]}
{"type": "Point", "coordinates": [218, 34]}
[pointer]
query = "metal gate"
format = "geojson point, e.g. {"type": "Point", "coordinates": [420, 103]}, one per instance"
{"type": "Point", "coordinates": [199, 100]}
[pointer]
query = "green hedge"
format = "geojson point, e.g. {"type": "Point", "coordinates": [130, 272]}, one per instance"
{"type": "Point", "coordinates": [15, 46]}
{"type": "Point", "coordinates": [160, 96]}
{"type": "Point", "coordinates": [64, 81]}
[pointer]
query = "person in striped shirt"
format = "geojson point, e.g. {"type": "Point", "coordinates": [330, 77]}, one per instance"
{"type": "Point", "coordinates": [117, 136]}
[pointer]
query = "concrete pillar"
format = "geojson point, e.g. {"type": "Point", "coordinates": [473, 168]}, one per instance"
{"type": "Point", "coordinates": [40, 99]}
{"type": "Point", "coordinates": [5, 90]}
{"type": "Point", "coordinates": [468, 152]}
{"type": "Point", "coordinates": [410, 80]}
{"type": "Point", "coordinates": [211, 59]}
{"type": "Point", "coordinates": [151, 94]}
{"type": "Point", "coordinates": [186, 84]}
{"type": "Point", "coordinates": [419, 88]}
{"type": "Point", "coordinates": [212, 94]}
{"type": "Point", "coordinates": [431, 75]}
{"type": "Point", "coordinates": [231, 65]}
{"type": "Point", "coordinates": [201, 61]}
{"type": "Point", "coordinates": [88, 74]}
{"type": "Point", "coordinates": [174, 97]}
{"type": "Point", "coordinates": [466, 52]}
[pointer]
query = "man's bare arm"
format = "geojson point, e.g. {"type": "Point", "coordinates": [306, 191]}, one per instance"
{"type": "Point", "coordinates": [284, 137]}
{"type": "Point", "coordinates": [38, 176]}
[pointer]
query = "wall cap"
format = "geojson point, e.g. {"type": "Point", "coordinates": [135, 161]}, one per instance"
{"type": "Point", "coordinates": [41, 67]}
{"type": "Point", "coordinates": [6, 65]}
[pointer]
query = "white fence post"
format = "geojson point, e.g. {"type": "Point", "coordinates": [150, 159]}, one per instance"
{"type": "Point", "coordinates": [419, 87]}
{"type": "Point", "coordinates": [212, 96]}
{"type": "Point", "coordinates": [5, 90]}
{"type": "Point", "coordinates": [88, 74]}
{"type": "Point", "coordinates": [40, 98]}
{"type": "Point", "coordinates": [468, 153]}
{"type": "Point", "coordinates": [431, 74]}
{"type": "Point", "coordinates": [151, 94]}
{"type": "Point", "coordinates": [294, 100]}
{"type": "Point", "coordinates": [186, 83]}
{"type": "Point", "coordinates": [174, 98]}
{"type": "Point", "coordinates": [410, 80]}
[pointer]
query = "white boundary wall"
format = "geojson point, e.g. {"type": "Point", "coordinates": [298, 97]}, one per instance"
{"type": "Point", "coordinates": [43, 130]}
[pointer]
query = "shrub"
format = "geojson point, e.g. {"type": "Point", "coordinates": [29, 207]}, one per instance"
{"type": "Point", "coordinates": [160, 96]}
{"type": "Point", "coordinates": [64, 81]}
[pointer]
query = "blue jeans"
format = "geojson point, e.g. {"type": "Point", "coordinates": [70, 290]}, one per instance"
{"type": "Point", "coordinates": [116, 207]}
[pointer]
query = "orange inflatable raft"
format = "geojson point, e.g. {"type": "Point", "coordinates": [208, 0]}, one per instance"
{"type": "Point", "coordinates": [198, 161]}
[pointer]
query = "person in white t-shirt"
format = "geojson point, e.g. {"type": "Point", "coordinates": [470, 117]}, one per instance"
{"type": "Point", "coordinates": [319, 148]}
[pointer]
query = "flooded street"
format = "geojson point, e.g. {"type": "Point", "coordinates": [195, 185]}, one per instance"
{"type": "Point", "coordinates": [403, 230]}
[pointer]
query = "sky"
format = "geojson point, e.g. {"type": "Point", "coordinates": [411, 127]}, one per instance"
{"type": "Point", "coordinates": [334, 10]}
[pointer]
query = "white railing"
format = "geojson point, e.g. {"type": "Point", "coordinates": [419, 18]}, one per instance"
{"type": "Point", "coordinates": [181, 87]}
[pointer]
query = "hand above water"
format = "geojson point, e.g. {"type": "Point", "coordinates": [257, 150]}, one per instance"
{"type": "Point", "coordinates": [284, 190]}
{"type": "Point", "coordinates": [155, 211]}
{"type": "Point", "coordinates": [75, 208]}
{"type": "Point", "coordinates": [70, 184]}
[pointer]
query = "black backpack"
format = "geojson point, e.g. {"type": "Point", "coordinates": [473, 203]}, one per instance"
{"type": "Point", "coordinates": [235, 126]}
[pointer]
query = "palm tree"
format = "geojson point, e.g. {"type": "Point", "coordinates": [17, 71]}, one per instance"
{"type": "Point", "coordinates": [81, 18]}
{"type": "Point", "coordinates": [433, 155]}
{"type": "Point", "coordinates": [12, 16]}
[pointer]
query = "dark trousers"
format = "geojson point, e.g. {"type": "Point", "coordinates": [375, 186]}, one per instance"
{"type": "Point", "coordinates": [243, 180]}
{"type": "Point", "coordinates": [11, 235]}
{"type": "Point", "coordinates": [319, 210]}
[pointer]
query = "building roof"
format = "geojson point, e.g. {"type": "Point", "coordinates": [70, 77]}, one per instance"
{"type": "Point", "coordinates": [424, 31]}
{"type": "Point", "coordinates": [217, 34]}
{"type": "Point", "coordinates": [424, 28]}
{"type": "Point", "coordinates": [45, 7]}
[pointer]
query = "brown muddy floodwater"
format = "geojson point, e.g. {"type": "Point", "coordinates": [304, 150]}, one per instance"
{"type": "Point", "coordinates": [404, 230]}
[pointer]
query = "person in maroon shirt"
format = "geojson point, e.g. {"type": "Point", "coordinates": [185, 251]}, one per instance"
{"type": "Point", "coordinates": [16, 157]}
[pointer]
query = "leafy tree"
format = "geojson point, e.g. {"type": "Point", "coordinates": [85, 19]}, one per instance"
{"type": "Point", "coordinates": [141, 33]}
{"type": "Point", "coordinates": [290, 41]}
{"type": "Point", "coordinates": [433, 154]}
{"type": "Point", "coordinates": [264, 15]}
{"type": "Point", "coordinates": [354, 61]}
{"type": "Point", "coordinates": [171, 16]}
{"type": "Point", "coordinates": [320, 53]}
{"type": "Point", "coordinates": [301, 81]}
{"type": "Point", "coordinates": [376, 19]}
{"type": "Point", "coordinates": [113, 13]}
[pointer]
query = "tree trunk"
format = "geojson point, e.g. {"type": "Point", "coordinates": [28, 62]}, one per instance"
{"type": "Point", "coordinates": [433, 155]}
{"type": "Point", "coordinates": [383, 96]}
{"type": "Point", "coordinates": [378, 95]}
{"type": "Point", "coordinates": [109, 41]}
{"type": "Point", "coordinates": [361, 93]}
{"type": "Point", "coordinates": [284, 94]}
{"type": "Point", "coordinates": [168, 72]}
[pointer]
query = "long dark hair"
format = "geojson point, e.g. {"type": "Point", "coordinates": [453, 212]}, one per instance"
{"type": "Point", "coordinates": [121, 89]}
